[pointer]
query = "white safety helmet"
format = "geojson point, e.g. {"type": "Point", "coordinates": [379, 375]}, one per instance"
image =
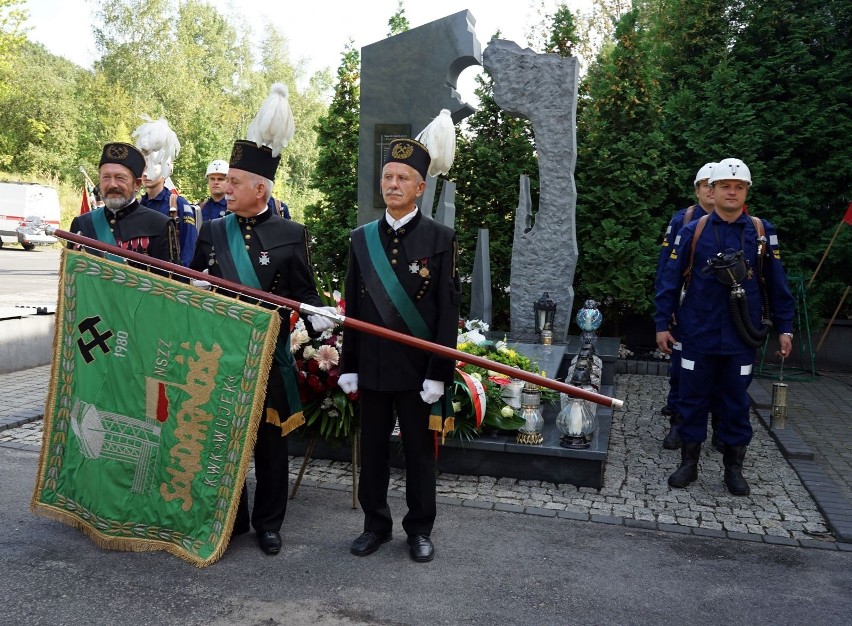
{"type": "Point", "coordinates": [217, 167]}
{"type": "Point", "coordinates": [730, 169]}
{"type": "Point", "coordinates": [704, 173]}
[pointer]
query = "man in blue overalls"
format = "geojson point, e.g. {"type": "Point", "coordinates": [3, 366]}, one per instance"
{"type": "Point", "coordinates": [704, 205]}
{"type": "Point", "coordinates": [733, 262]}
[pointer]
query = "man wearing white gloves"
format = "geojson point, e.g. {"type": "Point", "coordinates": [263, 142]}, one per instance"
{"type": "Point", "coordinates": [255, 248]}
{"type": "Point", "coordinates": [403, 275]}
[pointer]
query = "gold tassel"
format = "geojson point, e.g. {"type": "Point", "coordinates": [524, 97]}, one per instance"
{"type": "Point", "coordinates": [449, 426]}
{"type": "Point", "coordinates": [292, 423]}
{"type": "Point", "coordinates": [435, 423]}
{"type": "Point", "coordinates": [288, 425]}
{"type": "Point", "coordinates": [272, 417]}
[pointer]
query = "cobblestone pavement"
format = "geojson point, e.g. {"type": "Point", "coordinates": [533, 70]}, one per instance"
{"type": "Point", "coordinates": [821, 415]}
{"type": "Point", "coordinates": [635, 492]}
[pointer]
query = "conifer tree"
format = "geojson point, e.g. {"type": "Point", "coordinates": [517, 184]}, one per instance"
{"type": "Point", "coordinates": [336, 174]}
{"type": "Point", "coordinates": [621, 176]}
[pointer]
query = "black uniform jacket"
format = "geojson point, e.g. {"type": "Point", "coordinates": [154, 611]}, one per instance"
{"type": "Point", "coordinates": [423, 254]}
{"type": "Point", "coordinates": [135, 228]}
{"type": "Point", "coordinates": [278, 251]}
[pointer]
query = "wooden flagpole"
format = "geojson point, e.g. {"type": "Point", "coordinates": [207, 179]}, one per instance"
{"type": "Point", "coordinates": [347, 322]}
{"type": "Point", "coordinates": [847, 218]}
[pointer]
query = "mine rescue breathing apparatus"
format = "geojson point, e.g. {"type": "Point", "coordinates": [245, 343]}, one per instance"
{"type": "Point", "coordinates": [730, 267]}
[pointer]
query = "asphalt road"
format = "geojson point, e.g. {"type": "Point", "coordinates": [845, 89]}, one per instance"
{"type": "Point", "coordinates": [33, 272]}
{"type": "Point", "coordinates": [490, 568]}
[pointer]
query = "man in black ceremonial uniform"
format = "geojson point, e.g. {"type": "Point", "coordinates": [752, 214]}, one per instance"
{"type": "Point", "coordinates": [256, 248]}
{"type": "Point", "coordinates": [122, 221]}
{"type": "Point", "coordinates": [402, 275]}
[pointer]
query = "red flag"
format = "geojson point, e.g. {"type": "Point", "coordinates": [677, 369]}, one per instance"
{"type": "Point", "coordinates": [848, 217]}
{"type": "Point", "coordinates": [85, 207]}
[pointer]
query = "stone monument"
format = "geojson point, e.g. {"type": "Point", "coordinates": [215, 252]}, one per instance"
{"type": "Point", "coordinates": [405, 82]}
{"type": "Point", "coordinates": [542, 88]}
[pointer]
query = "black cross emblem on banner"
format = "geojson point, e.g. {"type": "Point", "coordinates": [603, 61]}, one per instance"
{"type": "Point", "coordinates": [99, 340]}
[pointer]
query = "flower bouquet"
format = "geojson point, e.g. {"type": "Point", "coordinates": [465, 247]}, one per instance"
{"type": "Point", "coordinates": [486, 407]}
{"type": "Point", "coordinates": [329, 413]}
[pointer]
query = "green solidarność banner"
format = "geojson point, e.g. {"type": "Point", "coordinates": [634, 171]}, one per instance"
{"type": "Point", "coordinates": [156, 392]}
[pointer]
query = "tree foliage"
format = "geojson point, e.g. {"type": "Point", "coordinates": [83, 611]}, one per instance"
{"type": "Point", "coordinates": [203, 71]}
{"type": "Point", "coordinates": [492, 154]}
{"type": "Point", "coordinates": [335, 176]}
{"type": "Point", "coordinates": [398, 23]}
{"type": "Point", "coordinates": [621, 176]}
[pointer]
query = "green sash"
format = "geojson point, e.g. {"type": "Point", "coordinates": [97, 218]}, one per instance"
{"type": "Point", "coordinates": [409, 313]}
{"type": "Point", "coordinates": [245, 271]}
{"type": "Point", "coordinates": [104, 233]}
{"type": "Point", "coordinates": [441, 416]}
{"type": "Point", "coordinates": [235, 264]}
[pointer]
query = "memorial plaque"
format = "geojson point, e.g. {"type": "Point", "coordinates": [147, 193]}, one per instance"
{"type": "Point", "coordinates": [384, 134]}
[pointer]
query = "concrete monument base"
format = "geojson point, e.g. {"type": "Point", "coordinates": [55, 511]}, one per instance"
{"type": "Point", "coordinates": [497, 454]}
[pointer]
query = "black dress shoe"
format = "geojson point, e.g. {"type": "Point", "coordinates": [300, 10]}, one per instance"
{"type": "Point", "coordinates": [270, 541]}
{"type": "Point", "coordinates": [420, 548]}
{"type": "Point", "coordinates": [368, 542]}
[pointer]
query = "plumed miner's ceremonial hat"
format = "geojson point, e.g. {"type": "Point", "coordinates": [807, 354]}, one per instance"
{"type": "Point", "coordinates": [270, 131]}
{"type": "Point", "coordinates": [160, 145]}
{"type": "Point", "coordinates": [433, 151]}
{"type": "Point", "coordinates": [124, 154]}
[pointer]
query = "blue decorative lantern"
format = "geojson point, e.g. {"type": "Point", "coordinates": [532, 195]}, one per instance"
{"type": "Point", "coordinates": [589, 319]}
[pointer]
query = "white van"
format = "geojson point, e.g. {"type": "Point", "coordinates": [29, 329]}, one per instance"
{"type": "Point", "coordinates": [26, 209]}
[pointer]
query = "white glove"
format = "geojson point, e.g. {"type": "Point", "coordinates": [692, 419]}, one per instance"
{"type": "Point", "coordinates": [432, 391]}
{"type": "Point", "coordinates": [321, 323]}
{"type": "Point", "coordinates": [200, 284]}
{"type": "Point", "coordinates": [348, 383]}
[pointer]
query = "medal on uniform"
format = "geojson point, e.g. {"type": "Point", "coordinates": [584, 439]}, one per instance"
{"type": "Point", "coordinates": [424, 271]}
{"type": "Point", "coordinates": [264, 258]}
{"type": "Point", "coordinates": [414, 267]}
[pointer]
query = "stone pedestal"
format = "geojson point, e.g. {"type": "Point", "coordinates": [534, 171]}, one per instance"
{"type": "Point", "coordinates": [496, 453]}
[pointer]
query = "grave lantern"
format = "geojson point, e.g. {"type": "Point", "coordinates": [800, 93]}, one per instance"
{"type": "Point", "coordinates": [577, 422]}
{"type": "Point", "coordinates": [530, 432]}
{"type": "Point", "coordinates": [545, 311]}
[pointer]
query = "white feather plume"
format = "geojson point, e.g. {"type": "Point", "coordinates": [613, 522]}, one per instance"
{"type": "Point", "coordinates": [439, 137]}
{"type": "Point", "coordinates": [273, 126]}
{"type": "Point", "coordinates": [159, 145]}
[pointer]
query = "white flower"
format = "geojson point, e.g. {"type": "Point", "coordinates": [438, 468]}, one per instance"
{"type": "Point", "coordinates": [507, 411]}
{"type": "Point", "coordinates": [477, 376]}
{"type": "Point", "coordinates": [298, 339]}
{"type": "Point", "coordinates": [334, 413]}
{"type": "Point", "coordinates": [308, 352]}
{"type": "Point", "coordinates": [327, 357]}
{"type": "Point", "coordinates": [476, 325]}
{"type": "Point", "coordinates": [456, 407]}
{"type": "Point", "coordinates": [473, 336]}
{"type": "Point", "coordinates": [327, 403]}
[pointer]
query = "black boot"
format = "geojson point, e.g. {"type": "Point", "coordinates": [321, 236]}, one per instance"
{"type": "Point", "coordinates": [672, 440]}
{"type": "Point", "coordinates": [732, 458]}
{"type": "Point", "coordinates": [690, 452]}
{"type": "Point", "coordinates": [717, 443]}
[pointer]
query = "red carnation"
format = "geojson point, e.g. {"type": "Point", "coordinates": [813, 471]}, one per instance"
{"type": "Point", "coordinates": [313, 366]}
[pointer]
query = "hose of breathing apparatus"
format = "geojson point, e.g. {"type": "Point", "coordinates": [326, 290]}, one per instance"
{"type": "Point", "coordinates": [730, 269]}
